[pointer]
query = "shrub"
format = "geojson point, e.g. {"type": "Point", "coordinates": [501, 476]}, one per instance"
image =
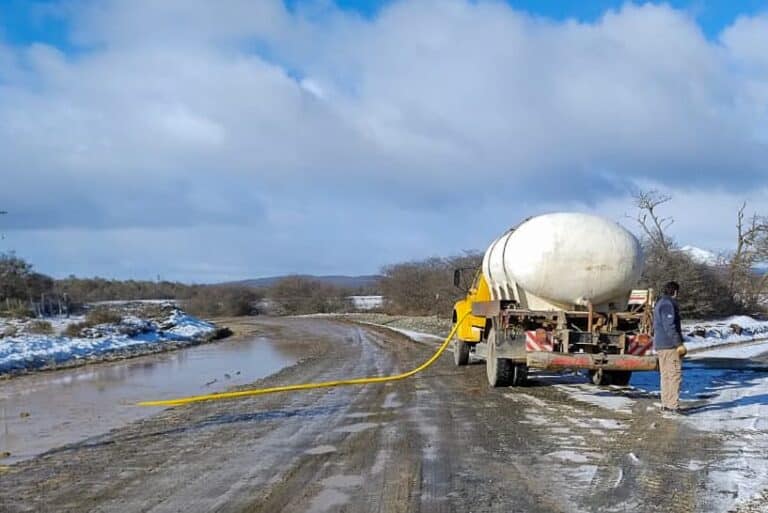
{"type": "Point", "coordinates": [222, 301]}
{"type": "Point", "coordinates": [102, 316]}
{"type": "Point", "coordinates": [295, 295]}
{"type": "Point", "coordinates": [425, 287]}
{"type": "Point", "coordinates": [75, 329]}
{"type": "Point", "coordinates": [40, 328]}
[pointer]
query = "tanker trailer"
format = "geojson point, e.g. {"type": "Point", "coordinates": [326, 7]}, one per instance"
{"type": "Point", "coordinates": [556, 293]}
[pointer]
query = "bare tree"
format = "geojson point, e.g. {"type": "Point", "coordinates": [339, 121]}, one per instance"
{"type": "Point", "coordinates": [652, 223]}
{"type": "Point", "coordinates": [425, 287]}
{"type": "Point", "coordinates": [751, 250]}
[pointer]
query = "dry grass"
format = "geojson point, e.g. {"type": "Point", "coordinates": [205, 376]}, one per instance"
{"type": "Point", "coordinates": [102, 316]}
{"type": "Point", "coordinates": [39, 328]}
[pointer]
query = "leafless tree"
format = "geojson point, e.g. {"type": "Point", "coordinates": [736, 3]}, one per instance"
{"type": "Point", "coordinates": [704, 289]}
{"type": "Point", "coordinates": [425, 287]}
{"type": "Point", "coordinates": [654, 226]}
{"type": "Point", "coordinates": [751, 250]}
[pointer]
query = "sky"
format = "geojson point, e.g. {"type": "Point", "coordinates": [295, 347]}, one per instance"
{"type": "Point", "coordinates": [211, 141]}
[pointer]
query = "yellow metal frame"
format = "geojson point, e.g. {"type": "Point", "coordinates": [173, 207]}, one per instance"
{"type": "Point", "coordinates": [472, 329]}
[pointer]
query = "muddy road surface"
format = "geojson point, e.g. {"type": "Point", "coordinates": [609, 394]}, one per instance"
{"type": "Point", "coordinates": [440, 442]}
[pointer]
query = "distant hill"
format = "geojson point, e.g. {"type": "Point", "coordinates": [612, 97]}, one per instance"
{"type": "Point", "coordinates": [350, 282]}
{"type": "Point", "coordinates": [701, 256]}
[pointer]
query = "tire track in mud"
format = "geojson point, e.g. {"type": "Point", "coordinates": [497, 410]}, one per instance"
{"type": "Point", "coordinates": [613, 459]}
{"type": "Point", "coordinates": [439, 442]}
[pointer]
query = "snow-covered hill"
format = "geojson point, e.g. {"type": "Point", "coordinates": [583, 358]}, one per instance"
{"type": "Point", "coordinates": [701, 256]}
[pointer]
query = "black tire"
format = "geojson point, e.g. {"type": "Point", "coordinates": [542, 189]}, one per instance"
{"type": "Point", "coordinates": [499, 370]}
{"type": "Point", "coordinates": [620, 378]}
{"type": "Point", "coordinates": [460, 352]}
{"type": "Point", "coordinates": [519, 375]}
{"type": "Point", "coordinates": [599, 377]}
{"type": "Point", "coordinates": [604, 378]}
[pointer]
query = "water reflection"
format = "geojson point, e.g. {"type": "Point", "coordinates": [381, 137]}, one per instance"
{"type": "Point", "coordinates": [43, 411]}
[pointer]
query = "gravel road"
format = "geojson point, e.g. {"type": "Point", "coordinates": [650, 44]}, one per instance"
{"type": "Point", "coordinates": [439, 442]}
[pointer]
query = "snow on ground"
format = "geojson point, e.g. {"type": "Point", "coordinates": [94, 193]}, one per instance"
{"type": "Point", "coordinates": [739, 351]}
{"type": "Point", "coordinates": [28, 351]}
{"type": "Point", "coordinates": [731, 404]}
{"type": "Point", "coordinates": [738, 412]}
{"type": "Point", "coordinates": [721, 332]}
{"type": "Point", "coordinates": [417, 335]}
{"type": "Point", "coordinates": [604, 398]}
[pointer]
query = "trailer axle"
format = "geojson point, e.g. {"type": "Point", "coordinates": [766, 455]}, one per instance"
{"type": "Point", "coordinates": [552, 361]}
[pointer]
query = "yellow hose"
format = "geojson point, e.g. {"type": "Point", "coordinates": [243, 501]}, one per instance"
{"type": "Point", "coordinates": [309, 386]}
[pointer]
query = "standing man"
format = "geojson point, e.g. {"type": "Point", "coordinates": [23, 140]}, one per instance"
{"type": "Point", "coordinates": [667, 338]}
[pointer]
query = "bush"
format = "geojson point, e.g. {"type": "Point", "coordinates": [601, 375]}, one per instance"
{"type": "Point", "coordinates": [425, 287]}
{"type": "Point", "coordinates": [222, 301]}
{"type": "Point", "coordinates": [40, 328]}
{"type": "Point", "coordinates": [75, 329]}
{"type": "Point", "coordinates": [296, 295]}
{"type": "Point", "coordinates": [102, 316]}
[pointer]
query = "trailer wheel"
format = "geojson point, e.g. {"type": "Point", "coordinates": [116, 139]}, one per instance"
{"type": "Point", "coordinates": [620, 378]}
{"type": "Point", "coordinates": [519, 375]}
{"type": "Point", "coordinates": [499, 370]}
{"type": "Point", "coordinates": [460, 352]}
{"type": "Point", "coordinates": [599, 377]}
{"type": "Point", "coordinates": [603, 378]}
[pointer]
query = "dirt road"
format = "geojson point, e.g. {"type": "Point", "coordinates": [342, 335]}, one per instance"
{"type": "Point", "coordinates": [440, 442]}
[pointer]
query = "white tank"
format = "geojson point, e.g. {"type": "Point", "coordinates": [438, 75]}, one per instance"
{"type": "Point", "coordinates": [556, 261]}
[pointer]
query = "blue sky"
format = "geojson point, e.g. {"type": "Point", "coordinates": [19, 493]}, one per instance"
{"type": "Point", "coordinates": [25, 21]}
{"type": "Point", "coordinates": [712, 15]}
{"type": "Point", "coordinates": [208, 141]}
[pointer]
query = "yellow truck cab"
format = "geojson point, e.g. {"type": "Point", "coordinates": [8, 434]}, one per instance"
{"type": "Point", "coordinates": [473, 329]}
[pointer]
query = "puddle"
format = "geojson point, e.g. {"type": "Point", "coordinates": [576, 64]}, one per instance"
{"type": "Point", "coordinates": [50, 409]}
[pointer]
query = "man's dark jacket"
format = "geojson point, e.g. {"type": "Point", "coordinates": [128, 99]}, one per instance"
{"type": "Point", "coordinates": [667, 333]}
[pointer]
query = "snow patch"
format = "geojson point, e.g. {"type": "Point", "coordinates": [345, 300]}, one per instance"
{"type": "Point", "coordinates": [701, 256]}
{"type": "Point", "coordinates": [721, 332]}
{"type": "Point", "coordinates": [417, 335]}
{"type": "Point", "coordinates": [29, 351]}
{"type": "Point", "coordinates": [603, 399]}
{"type": "Point", "coordinates": [740, 351]}
{"type": "Point", "coordinates": [738, 412]}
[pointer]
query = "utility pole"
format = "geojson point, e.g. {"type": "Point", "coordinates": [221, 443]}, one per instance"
{"type": "Point", "coordinates": [2, 235]}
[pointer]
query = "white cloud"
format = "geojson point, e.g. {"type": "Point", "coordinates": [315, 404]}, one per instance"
{"type": "Point", "coordinates": [436, 122]}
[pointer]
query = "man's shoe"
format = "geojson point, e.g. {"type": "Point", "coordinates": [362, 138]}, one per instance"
{"type": "Point", "coordinates": [671, 411]}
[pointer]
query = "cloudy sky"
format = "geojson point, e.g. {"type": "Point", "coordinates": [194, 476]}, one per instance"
{"type": "Point", "coordinates": [204, 141]}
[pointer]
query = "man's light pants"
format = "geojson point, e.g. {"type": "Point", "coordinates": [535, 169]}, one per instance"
{"type": "Point", "coordinates": [671, 371]}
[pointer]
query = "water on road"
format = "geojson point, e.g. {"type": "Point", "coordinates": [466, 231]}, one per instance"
{"type": "Point", "coordinates": [46, 410]}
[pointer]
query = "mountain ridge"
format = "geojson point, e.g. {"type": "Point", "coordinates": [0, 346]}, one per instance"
{"type": "Point", "coordinates": [351, 282]}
